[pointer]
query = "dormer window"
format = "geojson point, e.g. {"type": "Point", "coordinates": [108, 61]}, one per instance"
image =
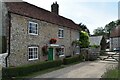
{"type": "Point", "coordinates": [33, 28]}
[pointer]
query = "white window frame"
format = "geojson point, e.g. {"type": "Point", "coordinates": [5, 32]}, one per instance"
{"type": "Point", "coordinates": [29, 28]}
{"type": "Point", "coordinates": [77, 47]}
{"type": "Point", "coordinates": [32, 53]}
{"type": "Point", "coordinates": [61, 35]}
{"type": "Point", "coordinates": [61, 55]}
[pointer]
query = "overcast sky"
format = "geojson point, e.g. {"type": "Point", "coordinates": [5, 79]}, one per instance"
{"type": "Point", "coordinates": [92, 13]}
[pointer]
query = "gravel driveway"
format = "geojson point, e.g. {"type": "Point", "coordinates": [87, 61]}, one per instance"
{"type": "Point", "coordinates": [88, 69]}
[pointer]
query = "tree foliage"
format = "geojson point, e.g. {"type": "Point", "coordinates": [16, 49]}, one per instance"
{"type": "Point", "coordinates": [84, 39]}
{"type": "Point", "coordinates": [99, 31]}
{"type": "Point", "coordinates": [110, 26]}
{"type": "Point", "coordinates": [84, 28]}
{"type": "Point", "coordinates": [107, 29]}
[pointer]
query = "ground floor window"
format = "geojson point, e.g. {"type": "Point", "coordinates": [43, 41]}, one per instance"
{"type": "Point", "coordinates": [62, 51]}
{"type": "Point", "coordinates": [32, 53]}
{"type": "Point", "coordinates": [77, 50]}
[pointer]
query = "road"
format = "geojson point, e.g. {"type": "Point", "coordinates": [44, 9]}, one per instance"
{"type": "Point", "coordinates": [88, 69]}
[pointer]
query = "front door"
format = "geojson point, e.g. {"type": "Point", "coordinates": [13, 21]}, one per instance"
{"type": "Point", "coordinates": [50, 54]}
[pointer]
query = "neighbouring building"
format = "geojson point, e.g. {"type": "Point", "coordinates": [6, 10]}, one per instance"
{"type": "Point", "coordinates": [30, 28]}
{"type": "Point", "coordinates": [115, 39]}
{"type": "Point", "coordinates": [98, 41]}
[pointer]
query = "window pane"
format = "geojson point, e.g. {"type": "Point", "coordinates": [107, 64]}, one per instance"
{"type": "Point", "coordinates": [33, 53]}
{"type": "Point", "coordinates": [59, 33]}
{"type": "Point", "coordinates": [33, 28]}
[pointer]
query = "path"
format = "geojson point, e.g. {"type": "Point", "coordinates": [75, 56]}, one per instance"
{"type": "Point", "coordinates": [88, 69]}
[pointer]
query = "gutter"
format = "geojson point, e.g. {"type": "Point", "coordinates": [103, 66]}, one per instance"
{"type": "Point", "coordinates": [9, 33]}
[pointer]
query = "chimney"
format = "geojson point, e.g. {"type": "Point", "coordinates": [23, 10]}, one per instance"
{"type": "Point", "coordinates": [55, 8]}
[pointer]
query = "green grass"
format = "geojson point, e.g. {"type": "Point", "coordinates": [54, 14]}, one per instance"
{"type": "Point", "coordinates": [112, 73]}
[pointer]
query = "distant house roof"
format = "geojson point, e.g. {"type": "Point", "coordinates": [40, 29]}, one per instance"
{"type": "Point", "coordinates": [115, 32]}
{"type": "Point", "coordinates": [95, 40]}
{"type": "Point", "coordinates": [29, 10]}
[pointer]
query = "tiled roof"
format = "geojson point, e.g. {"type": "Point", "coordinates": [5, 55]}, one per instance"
{"type": "Point", "coordinates": [115, 32]}
{"type": "Point", "coordinates": [29, 10]}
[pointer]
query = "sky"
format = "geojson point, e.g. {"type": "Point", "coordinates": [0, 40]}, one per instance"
{"type": "Point", "coordinates": [92, 13]}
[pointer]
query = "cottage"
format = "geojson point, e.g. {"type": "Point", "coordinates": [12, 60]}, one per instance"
{"type": "Point", "coordinates": [115, 39]}
{"type": "Point", "coordinates": [30, 29]}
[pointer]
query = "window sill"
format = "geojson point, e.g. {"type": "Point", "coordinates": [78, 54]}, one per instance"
{"type": "Point", "coordinates": [33, 59]}
{"type": "Point", "coordinates": [33, 34]}
{"type": "Point", "coordinates": [61, 37]}
{"type": "Point", "coordinates": [61, 55]}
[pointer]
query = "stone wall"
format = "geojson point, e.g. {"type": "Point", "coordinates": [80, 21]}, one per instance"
{"type": "Point", "coordinates": [20, 39]}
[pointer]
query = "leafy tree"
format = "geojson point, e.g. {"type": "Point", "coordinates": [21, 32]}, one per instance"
{"type": "Point", "coordinates": [99, 31]}
{"type": "Point", "coordinates": [84, 39]}
{"type": "Point", "coordinates": [107, 29]}
{"type": "Point", "coordinates": [84, 28]}
{"type": "Point", "coordinates": [118, 22]}
{"type": "Point", "coordinates": [110, 26]}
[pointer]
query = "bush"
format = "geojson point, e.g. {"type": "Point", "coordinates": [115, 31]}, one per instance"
{"type": "Point", "coordinates": [29, 69]}
{"type": "Point", "coordinates": [72, 59]}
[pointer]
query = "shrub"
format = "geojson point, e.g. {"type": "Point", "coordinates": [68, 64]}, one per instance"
{"type": "Point", "coordinates": [72, 59]}
{"type": "Point", "coordinates": [29, 69]}
{"type": "Point", "coordinates": [94, 46]}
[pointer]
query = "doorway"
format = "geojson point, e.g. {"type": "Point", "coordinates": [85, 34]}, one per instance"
{"type": "Point", "coordinates": [50, 54]}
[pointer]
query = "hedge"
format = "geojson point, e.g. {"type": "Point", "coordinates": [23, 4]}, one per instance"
{"type": "Point", "coordinates": [29, 69]}
{"type": "Point", "coordinates": [72, 59]}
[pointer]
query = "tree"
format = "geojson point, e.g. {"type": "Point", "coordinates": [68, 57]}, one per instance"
{"type": "Point", "coordinates": [84, 28]}
{"type": "Point", "coordinates": [99, 31]}
{"type": "Point", "coordinates": [118, 22]}
{"type": "Point", "coordinates": [110, 26]}
{"type": "Point", "coordinates": [84, 39]}
{"type": "Point", "coordinates": [107, 29]}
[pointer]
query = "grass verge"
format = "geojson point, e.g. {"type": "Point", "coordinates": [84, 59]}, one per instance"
{"type": "Point", "coordinates": [112, 73]}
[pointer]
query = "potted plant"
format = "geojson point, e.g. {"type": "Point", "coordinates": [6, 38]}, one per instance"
{"type": "Point", "coordinates": [53, 41]}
